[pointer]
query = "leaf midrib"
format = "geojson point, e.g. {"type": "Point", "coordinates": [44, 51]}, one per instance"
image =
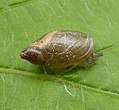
{"type": "Point", "coordinates": [59, 79]}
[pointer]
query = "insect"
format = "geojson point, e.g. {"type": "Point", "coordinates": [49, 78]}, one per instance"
{"type": "Point", "coordinates": [62, 49]}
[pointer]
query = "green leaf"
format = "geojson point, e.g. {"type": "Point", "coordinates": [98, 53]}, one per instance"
{"type": "Point", "coordinates": [24, 86]}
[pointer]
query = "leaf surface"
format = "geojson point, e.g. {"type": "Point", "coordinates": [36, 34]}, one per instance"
{"type": "Point", "coordinates": [24, 86]}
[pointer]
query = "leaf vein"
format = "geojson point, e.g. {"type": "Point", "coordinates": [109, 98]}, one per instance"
{"type": "Point", "coordinates": [59, 79]}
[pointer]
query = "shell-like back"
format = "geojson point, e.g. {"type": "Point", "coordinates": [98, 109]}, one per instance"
{"type": "Point", "coordinates": [61, 49]}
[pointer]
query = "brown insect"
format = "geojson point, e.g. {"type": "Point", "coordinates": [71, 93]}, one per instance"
{"type": "Point", "coordinates": [62, 49]}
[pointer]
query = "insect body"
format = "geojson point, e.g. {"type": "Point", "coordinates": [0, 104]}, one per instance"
{"type": "Point", "coordinates": [62, 49]}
